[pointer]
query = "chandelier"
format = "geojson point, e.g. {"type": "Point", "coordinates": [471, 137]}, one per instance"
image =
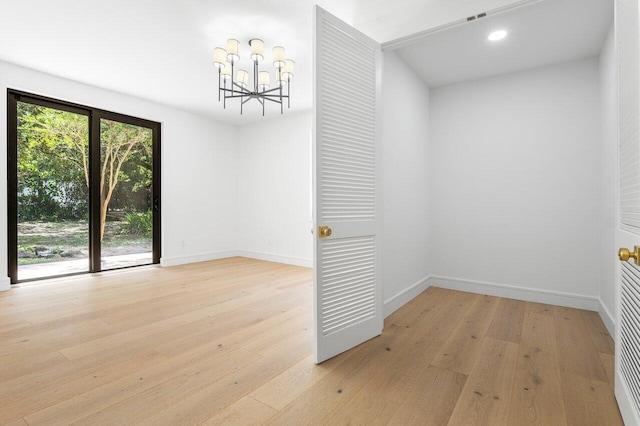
{"type": "Point", "coordinates": [229, 88]}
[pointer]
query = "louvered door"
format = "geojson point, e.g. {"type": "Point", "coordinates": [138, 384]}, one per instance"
{"type": "Point", "coordinates": [627, 381]}
{"type": "Point", "coordinates": [347, 288]}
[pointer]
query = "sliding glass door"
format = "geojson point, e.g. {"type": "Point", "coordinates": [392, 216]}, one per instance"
{"type": "Point", "coordinates": [52, 196]}
{"type": "Point", "coordinates": [126, 194]}
{"type": "Point", "coordinates": [84, 189]}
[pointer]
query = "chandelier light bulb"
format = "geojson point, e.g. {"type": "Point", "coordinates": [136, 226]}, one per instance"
{"type": "Point", "coordinates": [287, 71]}
{"type": "Point", "coordinates": [219, 57]}
{"type": "Point", "coordinates": [263, 80]}
{"type": "Point", "coordinates": [233, 52]}
{"type": "Point", "coordinates": [278, 56]}
{"type": "Point", "coordinates": [257, 49]}
{"type": "Point", "coordinates": [242, 78]}
{"type": "Point", "coordinates": [225, 72]}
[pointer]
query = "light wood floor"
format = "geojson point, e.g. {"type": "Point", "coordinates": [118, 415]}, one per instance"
{"type": "Point", "coordinates": [230, 342]}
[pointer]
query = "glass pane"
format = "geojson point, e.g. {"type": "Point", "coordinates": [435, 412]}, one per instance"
{"type": "Point", "coordinates": [126, 224]}
{"type": "Point", "coordinates": [53, 195]}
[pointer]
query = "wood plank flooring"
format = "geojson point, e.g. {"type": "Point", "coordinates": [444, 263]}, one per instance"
{"type": "Point", "coordinates": [230, 341]}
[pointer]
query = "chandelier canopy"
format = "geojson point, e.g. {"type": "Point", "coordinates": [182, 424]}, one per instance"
{"type": "Point", "coordinates": [226, 61]}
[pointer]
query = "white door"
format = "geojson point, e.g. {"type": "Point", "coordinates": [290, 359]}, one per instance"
{"type": "Point", "coordinates": [347, 288]}
{"type": "Point", "coordinates": [627, 380]}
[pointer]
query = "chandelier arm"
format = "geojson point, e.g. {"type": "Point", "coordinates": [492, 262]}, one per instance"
{"type": "Point", "coordinates": [232, 82]}
{"type": "Point", "coordinates": [255, 75]}
{"type": "Point", "coordinates": [280, 88]}
{"type": "Point", "coordinates": [243, 92]}
{"type": "Point", "coordinates": [239, 95]}
{"type": "Point", "coordinates": [245, 100]}
{"type": "Point", "coordinates": [269, 91]}
{"type": "Point", "coordinates": [242, 89]}
{"type": "Point", "coordinates": [261, 100]}
{"type": "Point", "coordinates": [272, 100]}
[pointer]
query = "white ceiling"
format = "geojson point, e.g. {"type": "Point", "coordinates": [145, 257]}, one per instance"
{"type": "Point", "coordinates": [161, 49]}
{"type": "Point", "coordinates": [539, 34]}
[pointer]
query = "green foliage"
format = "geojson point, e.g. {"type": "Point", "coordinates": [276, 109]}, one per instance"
{"type": "Point", "coordinates": [53, 165]}
{"type": "Point", "coordinates": [51, 177]}
{"type": "Point", "coordinates": [134, 178]}
{"type": "Point", "coordinates": [139, 223]}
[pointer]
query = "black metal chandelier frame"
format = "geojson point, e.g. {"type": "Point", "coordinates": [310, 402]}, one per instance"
{"type": "Point", "coordinates": [238, 91]}
{"type": "Point", "coordinates": [261, 89]}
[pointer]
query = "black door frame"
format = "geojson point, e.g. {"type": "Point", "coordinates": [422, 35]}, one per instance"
{"type": "Point", "coordinates": [94, 116]}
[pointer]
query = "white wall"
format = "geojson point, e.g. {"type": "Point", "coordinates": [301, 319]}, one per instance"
{"type": "Point", "coordinates": [515, 176]}
{"type": "Point", "coordinates": [274, 189]}
{"type": "Point", "coordinates": [199, 159]}
{"type": "Point", "coordinates": [405, 263]}
{"type": "Point", "coordinates": [496, 181]}
{"type": "Point", "coordinates": [274, 181]}
{"type": "Point", "coordinates": [608, 155]}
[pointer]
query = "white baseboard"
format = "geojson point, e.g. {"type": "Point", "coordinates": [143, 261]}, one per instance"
{"type": "Point", "coordinates": [182, 260]}
{"type": "Point", "coordinates": [521, 293]}
{"type": "Point", "coordinates": [307, 263]}
{"type": "Point", "coordinates": [624, 398]}
{"type": "Point", "coordinates": [404, 297]}
{"type": "Point", "coordinates": [608, 319]}
{"type": "Point", "coordinates": [5, 284]}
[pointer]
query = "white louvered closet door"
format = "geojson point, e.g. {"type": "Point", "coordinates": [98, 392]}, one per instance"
{"type": "Point", "coordinates": [627, 380]}
{"type": "Point", "coordinates": [347, 288]}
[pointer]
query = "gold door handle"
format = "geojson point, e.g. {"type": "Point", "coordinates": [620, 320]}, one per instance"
{"type": "Point", "coordinates": [625, 254]}
{"type": "Point", "coordinates": [324, 231]}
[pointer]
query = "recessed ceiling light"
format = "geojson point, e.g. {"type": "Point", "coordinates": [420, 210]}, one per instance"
{"type": "Point", "coordinates": [497, 35]}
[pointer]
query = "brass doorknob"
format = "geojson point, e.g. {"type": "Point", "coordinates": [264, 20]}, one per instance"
{"type": "Point", "coordinates": [625, 254]}
{"type": "Point", "coordinates": [324, 231]}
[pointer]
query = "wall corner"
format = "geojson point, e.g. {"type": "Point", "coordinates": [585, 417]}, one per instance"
{"type": "Point", "coordinates": [607, 319]}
